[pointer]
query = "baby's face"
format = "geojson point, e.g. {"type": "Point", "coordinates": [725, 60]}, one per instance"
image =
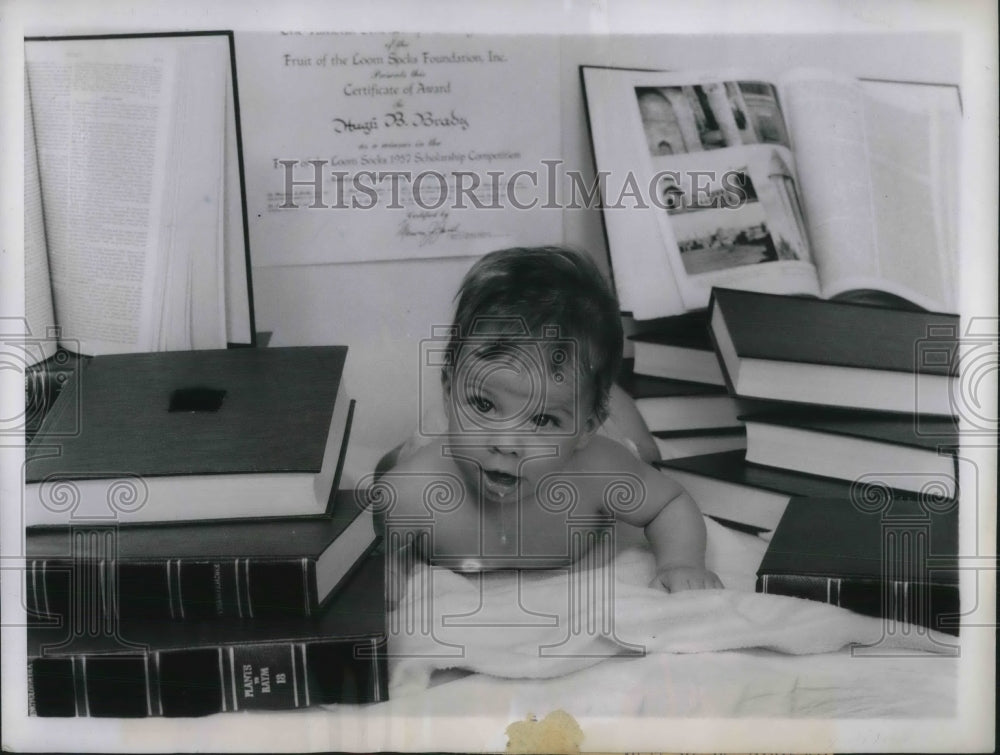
{"type": "Point", "coordinates": [512, 423]}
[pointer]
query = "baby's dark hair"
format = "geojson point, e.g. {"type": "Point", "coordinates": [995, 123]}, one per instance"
{"type": "Point", "coordinates": [551, 295]}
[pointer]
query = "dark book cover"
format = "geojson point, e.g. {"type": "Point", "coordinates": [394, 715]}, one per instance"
{"type": "Point", "coordinates": [732, 467]}
{"type": "Point", "coordinates": [803, 329]}
{"type": "Point", "coordinates": [190, 571]}
{"type": "Point", "coordinates": [197, 668]}
{"type": "Point", "coordinates": [708, 432]}
{"type": "Point", "coordinates": [895, 558]}
{"type": "Point", "coordinates": [749, 529]}
{"type": "Point", "coordinates": [204, 432]}
{"type": "Point", "coordinates": [687, 331]}
{"type": "Point", "coordinates": [161, 413]}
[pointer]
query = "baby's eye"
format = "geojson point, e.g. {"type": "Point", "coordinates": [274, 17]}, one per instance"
{"type": "Point", "coordinates": [545, 420]}
{"type": "Point", "coordinates": [481, 404]}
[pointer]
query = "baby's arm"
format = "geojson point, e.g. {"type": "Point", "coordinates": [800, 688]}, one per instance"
{"type": "Point", "coordinates": [673, 525]}
{"type": "Point", "coordinates": [624, 420]}
{"type": "Point", "coordinates": [677, 536]}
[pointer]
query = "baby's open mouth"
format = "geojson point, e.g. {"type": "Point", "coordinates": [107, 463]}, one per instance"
{"type": "Point", "coordinates": [500, 484]}
{"type": "Point", "coordinates": [501, 478]}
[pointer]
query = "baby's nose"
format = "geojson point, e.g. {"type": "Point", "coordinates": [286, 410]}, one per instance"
{"type": "Point", "coordinates": [505, 446]}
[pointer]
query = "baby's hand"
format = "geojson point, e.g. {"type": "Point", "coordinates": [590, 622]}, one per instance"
{"type": "Point", "coordinates": [679, 578]}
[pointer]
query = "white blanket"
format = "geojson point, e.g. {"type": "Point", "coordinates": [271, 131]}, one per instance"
{"type": "Point", "coordinates": [541, 624]}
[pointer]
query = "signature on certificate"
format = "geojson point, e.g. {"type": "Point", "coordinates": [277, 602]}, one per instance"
{"type": "Point", "coordinates": [428, 228]}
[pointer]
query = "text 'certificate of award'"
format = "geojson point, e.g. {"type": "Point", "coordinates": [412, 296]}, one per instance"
{"type": "Point", "coordinates": [391, 146]}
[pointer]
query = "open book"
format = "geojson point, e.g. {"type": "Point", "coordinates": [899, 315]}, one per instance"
{"type": "Point", "coordinates": [135, 231]}
{"type": "Point", "coordinates": [811, 183]}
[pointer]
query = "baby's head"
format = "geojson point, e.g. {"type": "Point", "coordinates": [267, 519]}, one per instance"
{"type": "Point", "coordinates": [545, 318]}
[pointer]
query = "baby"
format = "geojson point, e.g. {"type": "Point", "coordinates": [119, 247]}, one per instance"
{"type": "Point", "coordinates": [526, 471]}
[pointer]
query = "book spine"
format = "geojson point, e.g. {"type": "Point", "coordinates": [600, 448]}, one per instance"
{"type": "Point", "coordinates": [342, 457]}
{"type": "Point", "coordinates": [930, 605]}
{"type": "Point", "coordinates": [205, 680]}
{"type": "Point", "coordinates": [176, 588]}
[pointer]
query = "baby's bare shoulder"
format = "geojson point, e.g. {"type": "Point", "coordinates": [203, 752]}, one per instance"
{"type": "Point", "coordinates": [607, 459]}
{"type": "Point", "coordinates": [427, 458]}
{"type": "Point", "coordinates": [606, 455]}
{"type": "Point", "coordinates": [426, 473]}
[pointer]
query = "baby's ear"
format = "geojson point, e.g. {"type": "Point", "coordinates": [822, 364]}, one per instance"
{"type": "Point", "coordinates": [591, 425]}
{"type": "Point", "coordinates": [446, 382]}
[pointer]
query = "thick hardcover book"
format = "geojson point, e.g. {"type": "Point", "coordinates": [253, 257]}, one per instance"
{"type": "Point", "coordinates": [679, 348]}
{"type": "Point", "coordinates": [677, 445]}
{"type": "Point", "coordinates": [154, 668]}
{"type": "Point", "coordinates": [232, 569]}
{"type": "Point", "coordinates": [143, 244]}
{"type": "Point", "coordinates": [193, 435]}
{"type": "Point", "coordinates": [857, 356]}
{"type": "Point", "coordinates": [644, 386]}
{"type": "Point", "coordinates": [895, 450]}
{"type": "Point", "coordinates": [677, 405]}
{"type": "Point", "coordinates": [897, 560]}
{"type": "Point", "coordinates": [725, 485]}
{"type": "Point", "coordinates": [807, 182]}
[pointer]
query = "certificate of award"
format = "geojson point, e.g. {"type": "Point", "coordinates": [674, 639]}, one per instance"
{"type": "Point", "coordinates": [390, 146]}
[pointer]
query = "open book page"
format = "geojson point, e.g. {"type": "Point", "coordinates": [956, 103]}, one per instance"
{"type": "Point", "coordinates": [718, 200]}
{"type": "Point", "coordinates": [912, 132]}
{"type": "Point", "coordinates": [876, 168]}
{"type": "Point", "coordinates": [194, 314]}
{"type": "Point", "coordinates": [101, 114]}
{"type": "Point", "coordinates": [38, 309]}
{"type": "Point", "coordinates": [643, 276]}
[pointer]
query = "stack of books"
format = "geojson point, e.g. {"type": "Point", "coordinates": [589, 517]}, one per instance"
{"type": "Point", "coordinates": [188, 549]}
{"type": "Point", "coordinates": [679, 389]}
{"type": "Point", "coordinates": [771, 264]}
{"type": "Point", "coordinates": [895, 560]}
{"type": "Point", "coordinates": [855, 426]}
{"type": "Point", "coordinates": [849, 397]}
